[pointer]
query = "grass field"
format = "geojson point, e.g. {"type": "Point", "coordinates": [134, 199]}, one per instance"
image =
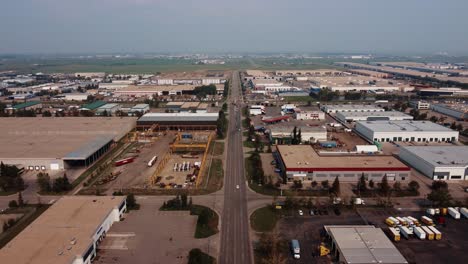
{"type": "Point", "coordinates": [152, 65]}
{"type": "Point", "coordinates": [264, 219]}
{"type": "Point", "coordinates": [207, 223]}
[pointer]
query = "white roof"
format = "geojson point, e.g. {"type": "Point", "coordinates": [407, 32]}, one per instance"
{"type": "Point", "coordinates": [365, 244]}
{"type": "Point", "coordinates": [406, 126]}
{"type": "Point", "coordinates": [441, 156]}
{"type": "Point", "coordinates": [375, 114]}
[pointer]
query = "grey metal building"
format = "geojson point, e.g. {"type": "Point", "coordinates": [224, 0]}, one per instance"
{"type": "Point", "coordinates": [179, 121]}
{"type": "Point", "coordinates": [438, 162]}
{"type": "Point", "coordinates": [362, 245]}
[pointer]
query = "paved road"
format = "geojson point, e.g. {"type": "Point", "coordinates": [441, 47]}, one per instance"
{"type": "Point", "coordinates": [235, 242]}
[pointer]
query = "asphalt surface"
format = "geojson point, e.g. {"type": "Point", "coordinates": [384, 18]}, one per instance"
{"type": "Point", "coordinates": [235, 242]}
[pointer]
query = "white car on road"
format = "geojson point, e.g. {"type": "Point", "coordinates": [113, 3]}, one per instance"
{"type": "Point", "coordinates": [237, 186]}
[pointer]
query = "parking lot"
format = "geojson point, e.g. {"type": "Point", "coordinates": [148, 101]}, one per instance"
{"type": "Point", "coordinates": [152, 236]}
{"type": "Point", "coordinates": [307, 229]}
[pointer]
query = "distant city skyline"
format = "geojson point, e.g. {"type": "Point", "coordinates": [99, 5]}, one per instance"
{"type": "Point", "coordinates": [217, 26]}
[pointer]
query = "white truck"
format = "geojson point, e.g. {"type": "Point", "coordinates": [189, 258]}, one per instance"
{"type": "Point", "coordinates": [419, 233]}
{"type": "Point", "coordinates": [454, 213]}
{"type": "Point", "coordinates": [464, 212]}
{"type": "Point", "coordinates": [404, 231]}
{"type": "Point", "coordinates": [296, 248]}
{"type": "Point", "coordinates": [152, 161]}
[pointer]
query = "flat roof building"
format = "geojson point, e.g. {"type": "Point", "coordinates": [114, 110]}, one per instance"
{"type": "Point", "coordinates": [351, 108]}
{"type": "Point", "coordinates": [372, 116]}
{"type": "Point", "coordinates": [363, 245]}
{"type": "Point", "coordinates": [182, 121]}
{"type": "Point", "coordinates": [68, 232]}
{"type": "Point", "coordinates": [302, 162]}
{"type": "Point", "coordinates": [55, 143]}
{"type": "Point", "coordinates": [284, 134]}
{"type": "Point", "coordinates": [458, 111]}
{"type": "Point", "coordinates": [109, 109]}
{"type": "Point", "coordinates": [438, 162]}
{"type": "Point", "coordinates": [409, 131]}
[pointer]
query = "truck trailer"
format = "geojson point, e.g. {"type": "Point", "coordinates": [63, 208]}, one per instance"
{"type": "Point", "coordinates": [454, 213]}
{"type": "Point", "coordinates": [296, 249]}
{"type": "Point", "coordinates": [429, 233]}
{"type": "Point", "coordinates": [437, 234]}
{"type": "Point", "coordinates": [464, 212]}
{"type": "Point", "coordinates": [414, 220]}
{"type": "Point", "coordinates": [395, 234]}
{"type": "Point", "coordinates": [419, 233]}
{"type": "Point", "coordinates": [391, 221]}
{"type": "Point", "coordinates": [426, 220]}
{"type": "Point", "coordinates": [404, 231]}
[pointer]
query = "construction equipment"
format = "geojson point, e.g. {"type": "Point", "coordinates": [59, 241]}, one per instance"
{"type": "Point", "coordinates": [324, 251]}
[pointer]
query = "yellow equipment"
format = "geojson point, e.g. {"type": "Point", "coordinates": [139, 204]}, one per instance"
{"type": "Point", "coordinates": [324, 251]}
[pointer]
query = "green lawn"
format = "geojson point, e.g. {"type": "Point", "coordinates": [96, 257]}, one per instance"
{"type": "Point", "coordinates": [207, 223]}
{"type": "Point", "coordinates": [264, 219]}
{"type": "Point", "coordinates": [196, 256]}
{"type": "Point", "coordinates": [218, 148]}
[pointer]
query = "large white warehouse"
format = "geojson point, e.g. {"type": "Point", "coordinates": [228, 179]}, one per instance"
{"type": "Point", "coordinates": [438, 162]}
{"type": "Point", "coordinates": [371, 116]}
{"type": "Point", "coordinates": [393, 131]}
{"type": "Point", "coordinates": [351, 108]}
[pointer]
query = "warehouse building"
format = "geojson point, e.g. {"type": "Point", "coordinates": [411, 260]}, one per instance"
{"type": "Point", "coordinates": [31, 105]}
{"type": "Point", "coordinates": [59, 143]}
{"type": "Point", "coordinates": [108, 109]}
{"type": "Point", "coordinates": [362, 245]}
{"type": "Point", "coordinates": [350, 108]}
{"type": "Point", "coordinates": [457, 111]}
{"type": "Point", "coordinates": [438, 162]}
{"type": "Point", "coordinates": [420, 105]}
{"type": "Point", "coordinates": [308, 115]}
{"type": "Point", "coordinates": [139, 108]}
{"type": "Point", "coordinates": [284, 134]}
{"type": "Point", "coordinates": [302, 162]}
{"type": "Point", "coordinates": [372, 116]}
{"type": "Point", "coordinates": [92, 106]}
{"type": "Point", "coordinates": [408, 131]}
{"type": "Point", "coordinates": [68, 232]}
{"type": "Point", "coordinates": [179, 121]}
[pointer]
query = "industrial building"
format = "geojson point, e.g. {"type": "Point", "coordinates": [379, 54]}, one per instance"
{"type": "Point", "coordinates": [179, 121]}
{"type": "Point", "coordinates": [302, 162]}
{"type": "Point", "coordinates": [355, 83]}
{"type": "Point", "coordinates": [140, 108]}
{"type": "Point", "coordinates": [351, 108]}
{"type": "Point", "coordinates": [308, 115]}
{"type": "Point", "coordinates": [362, 245]}
{"type": "Point", "coordinates": [458, 111]}
{"type": "Point", "coordinates": [372, 116]}
{"type": "Point", "coordinates": [108, 109]}
{"type": "Point", "coordinates": [68, 232]}
{"type": "Point", "coordinates": [438, 162]}
{"type": "Point", "coordinates": [31, 105]}
{"type": "Point", "coordinates": [45, 143]}
{"type": "Point", "coordinates": [420, 105]}
{"type": "Point", "coordinates": [284, 134]}
{"type": "Point", "coordinates": [92, 106]}
{"type": "Point", "coordinates": [150, 90]}
{"type": "Point", "coordinates": [414, 131]}
{"type": "Point", "coordinates": [256, 110]}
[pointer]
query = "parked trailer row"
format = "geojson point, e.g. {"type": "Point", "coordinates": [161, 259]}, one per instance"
{"type": "Point", "coordinates": [429, 233]}
{"type": "Point", "coordinates": [184, 166]}
{"type": "Point", "coordinates": [419, 233]}
{"type": "Point", "coordinates": [395, 234]}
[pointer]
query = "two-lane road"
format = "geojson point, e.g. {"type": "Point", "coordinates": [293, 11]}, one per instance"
{"type": "Point", "coordinates": [235, 241]}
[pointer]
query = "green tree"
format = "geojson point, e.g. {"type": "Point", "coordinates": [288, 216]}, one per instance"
{"type": "Point", "coordinates": [314, 184]}
{"type": "Point", "coordinates": [434, 119]}
{"type": "Point", "coordinates": [362, 184]}
{"type": "Point", "coordinates": [440, 195]}
{"type": "Point", "coordinates": [43, 181]}
{"type": "Point", "coordinates": [335, 189]}
{"type": "Point", "coordinates": [413, 186]}
{"type": "Point", "coordinates": [13, 204]}
{"type": "Point", "coordinates": [46, 113]}
{"type": "Point", "coordinates": [20, 199]}
{"type": "Point", "coordinates": [183, 198]}
{"type": "Point", "coordinates": [397, 186]}
{"type": "Point", "coordinates": [325, 184]}
{"type": "Point", "coordinates": [384, 187]}
{"type": "Point", "coordinates": [371, 184]}
{"type": "Point", "coordinates": [131, 202]}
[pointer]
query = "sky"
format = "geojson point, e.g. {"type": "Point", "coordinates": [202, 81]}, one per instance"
{"type": "Point", "coordinates": [217, 26]}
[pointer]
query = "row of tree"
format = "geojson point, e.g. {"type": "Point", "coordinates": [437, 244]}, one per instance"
{"type": "Point", "coordinates": [180, 202]}
{"type": "Point", "coordinates": [221, 125]}
{"type": "Point", "coordinates": [204, 90]}
{"type": "Point", "coordinates": [58, 185]}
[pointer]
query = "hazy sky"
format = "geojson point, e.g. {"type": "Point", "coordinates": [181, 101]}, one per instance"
{"type": "Point", "coordinates": [365, 26]}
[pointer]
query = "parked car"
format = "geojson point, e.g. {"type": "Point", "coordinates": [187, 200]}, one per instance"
{"type": "Point", "coordinates": [301, 213]}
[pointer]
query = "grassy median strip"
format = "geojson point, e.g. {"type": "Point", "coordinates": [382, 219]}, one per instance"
{"type": "Point", "coordinates": [264, 219]}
